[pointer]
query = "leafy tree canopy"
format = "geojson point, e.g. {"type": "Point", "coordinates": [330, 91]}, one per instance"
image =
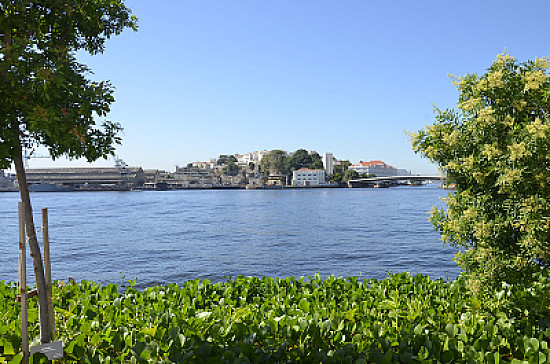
{"type": "Point", "coordinates": [350, 174]}
{"type": "Point", "coordinates": [341, 166]}
{"type": "Point", "coordinates": [231, 169]}
{"type": "Point", "coordinates": [335, 177]}
{"type": "Point", "coordinates": [316, 161]}
{"type": "Point", "coordinates": [495, 147]}
{"type": "Point", "coordinates": [45, 97]}
{"type": "Point", "coordinates": [274, 162]}
{"type": "Point", "coordinates": [304, 159]}
{"type": "Point", "coordinates": [300, 159]}
{"type": "Point", "coordinates": [224, 159]}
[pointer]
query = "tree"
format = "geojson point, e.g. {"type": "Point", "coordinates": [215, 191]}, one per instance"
{"type": "Point", "coordinates": [274, 162]}
{"type": "Point", "coordinates": [335, 177]}
{"type": "Point", "coordinates": [303, 159]}
{"type": "Point", "coordinates": [225, 159]}
{"type": "Point", "coordinates": [496, 149]}
{"type": "Point", "coordinates": [316, 161]}
{"type": "Point", "coordinates": [341, 166]}
{"type": "Point", "coordinates": [300, 159]}
{"type": "Point", "coordinates": [231, 169]}
{"type": "Point", "coordinates": [45, 95]}
{"type": "Point", "coordinates": [350, 174]}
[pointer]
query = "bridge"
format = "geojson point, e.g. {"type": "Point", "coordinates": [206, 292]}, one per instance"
{"type": "Point", "coordinates": [391, 181]}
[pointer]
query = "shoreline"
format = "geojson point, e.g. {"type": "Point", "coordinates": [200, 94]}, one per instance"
{"type": "Point", "coordinates": [141, 189]}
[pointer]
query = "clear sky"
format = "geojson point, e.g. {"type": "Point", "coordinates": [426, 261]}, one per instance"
{"type": "Point", "coordinates": [204, 78]}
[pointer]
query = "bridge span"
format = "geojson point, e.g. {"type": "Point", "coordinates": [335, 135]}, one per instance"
{"type": "Point", "coordinates": [390, 180]}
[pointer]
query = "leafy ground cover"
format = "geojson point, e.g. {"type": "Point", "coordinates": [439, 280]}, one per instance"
{"type": "Point", "coordinates": [403, 318]}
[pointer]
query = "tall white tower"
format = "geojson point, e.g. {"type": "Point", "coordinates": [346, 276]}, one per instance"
{"type": "Point", "coordinates": [328, 163]}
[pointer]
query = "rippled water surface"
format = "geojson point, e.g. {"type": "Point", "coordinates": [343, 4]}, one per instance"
{"type": "Point", "coordinates": [169, 237]}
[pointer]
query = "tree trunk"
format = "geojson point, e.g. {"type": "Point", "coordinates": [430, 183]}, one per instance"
{"type": "Point", "coordinates": [35, 251]}
{"type": "Point", "coordinates": [36, 257]}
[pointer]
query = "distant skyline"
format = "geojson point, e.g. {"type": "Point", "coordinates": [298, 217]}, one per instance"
{"type": "Point", "coordinates": [200, 79]}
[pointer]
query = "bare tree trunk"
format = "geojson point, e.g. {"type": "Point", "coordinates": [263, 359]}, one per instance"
{"type": "Point", "coordinates": [35, 251]}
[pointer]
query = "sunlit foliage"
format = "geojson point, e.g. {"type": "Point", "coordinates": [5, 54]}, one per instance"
{"type": "Point", "coordinates": [495, 148]}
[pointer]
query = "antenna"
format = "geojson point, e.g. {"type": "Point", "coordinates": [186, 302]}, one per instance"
{"type": "Point", "coordinates": [119, 163]}
{"type": "Point", "coordinates": [28, 155]}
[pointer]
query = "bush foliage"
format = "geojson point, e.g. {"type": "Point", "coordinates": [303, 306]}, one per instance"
{"type": "Point", "coordinates": [495, 148]}
{"type": "Point", "coordinates": [404, 318]}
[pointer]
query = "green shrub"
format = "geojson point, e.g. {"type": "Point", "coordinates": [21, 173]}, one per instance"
{"type": "Point", "coordinates": [403, 318]}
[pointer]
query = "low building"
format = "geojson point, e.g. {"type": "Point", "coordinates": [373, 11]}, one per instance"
{"type": "Point", "coordinates": [276, 180]}
{"type": "Point", "coordinates": [305, 177]}
{"type": "Point", "coordinates": [192, 171]}
{"type": "Point", "coordinates": [88, 177]}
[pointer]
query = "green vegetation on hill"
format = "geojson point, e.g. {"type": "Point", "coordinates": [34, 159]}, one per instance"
{"type": "Point", "coordinates": [277, 161]}
{"type": "Point", "coordinates": [404, 318]}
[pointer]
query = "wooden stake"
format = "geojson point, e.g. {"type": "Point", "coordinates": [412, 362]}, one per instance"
{"type": "Point", "coordinates": [48, 269]}
{"type": "Point", "coordinates": [23, 284]}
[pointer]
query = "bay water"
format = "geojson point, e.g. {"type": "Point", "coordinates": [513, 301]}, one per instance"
{"type": "Point", "coordinates": [174, 236]}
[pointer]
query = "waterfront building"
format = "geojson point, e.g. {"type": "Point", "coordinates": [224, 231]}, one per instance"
{"type": "Point", "coordinates": [276, 180]}
{"type": "Point", "coordinates": [86, 177]}
{"type": "Point", "coordinates": [151, 175]}
{"type": "Point", "coordinates": [192, 171]}
{"type": "Point", "coordinates": [376, 168]}
{"type": "Point", "coordinates": [190, 176]}
{"type": "Point", "coordinates": [305, 177]}
{"type": "Point", "coordinates": [328, 163]}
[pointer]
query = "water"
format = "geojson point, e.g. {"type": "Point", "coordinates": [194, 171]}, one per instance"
{"type": "Point", "coordinates": [173, 236]}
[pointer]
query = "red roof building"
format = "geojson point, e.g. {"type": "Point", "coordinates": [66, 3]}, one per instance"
{"type": "Point", "coordinates": [376, 168]}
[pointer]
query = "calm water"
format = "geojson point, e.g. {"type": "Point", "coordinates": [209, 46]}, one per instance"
{"type": "Point", "coordinates": [170, 237]}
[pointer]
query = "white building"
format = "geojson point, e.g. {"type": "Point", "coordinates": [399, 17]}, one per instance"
{"type": "Point", "coordinates": [245, 159]}
{"type": "Point", "coordinates": [254, 157]}
{"type": "Point", "coordinates": [308, 177]}
{"type": "Point", "coordinates": [328, 163]}
{"type": "Point", "coordinates": [204, 165]}
{"type": "Point", "coordinates": [376, 168]}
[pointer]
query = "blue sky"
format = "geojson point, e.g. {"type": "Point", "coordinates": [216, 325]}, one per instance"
{"type": "Point", "coordinates": [204, 78]}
